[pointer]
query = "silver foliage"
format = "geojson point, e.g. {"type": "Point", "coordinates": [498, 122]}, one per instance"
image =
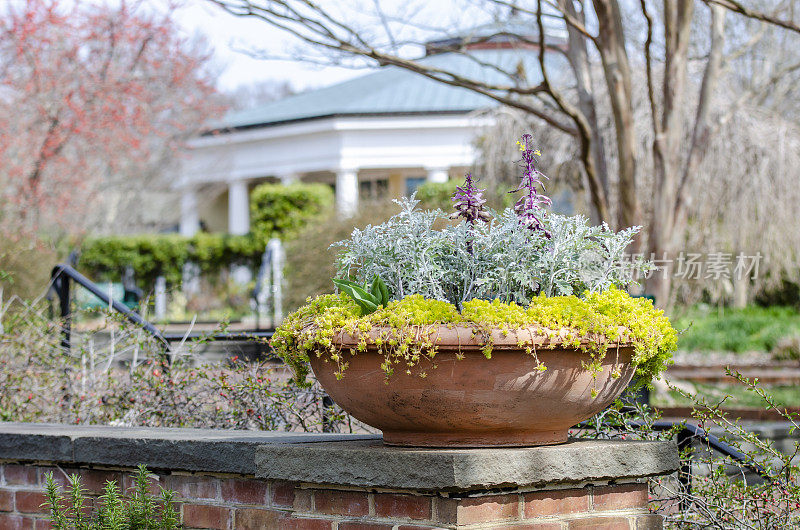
{"type": "Point", "coordinates": [500, 259]}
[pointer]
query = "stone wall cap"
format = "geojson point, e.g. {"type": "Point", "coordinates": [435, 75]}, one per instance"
{"type": "Point", "coordinates": [368, 463]}
{"type": "Point", "coordinates": [209, 450]}
{"type": "Point", "coordinates": [358, 460]}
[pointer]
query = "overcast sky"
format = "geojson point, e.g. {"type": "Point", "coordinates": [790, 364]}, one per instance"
{"type": "Point", "coordinates": [227, 33]}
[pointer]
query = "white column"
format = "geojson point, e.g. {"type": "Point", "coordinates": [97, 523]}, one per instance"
{"type": "Point", "coordinates": [347, 192]}
{"type": "Point", "coordinates": [290, 178]}
{"type": "Point", "coordinates": [161, 298]}
{"type": "Point", "coordinates": [438, 174]}
{"type": "Point", "coordinates": [238, 208]}
{"type": "Point", "coordinates": [190, 219]}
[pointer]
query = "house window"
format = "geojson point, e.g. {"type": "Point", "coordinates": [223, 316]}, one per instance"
{"type": "Point", "coordinates": [373, 189]}
{"type": "Point", "coordinates": [412, 183]}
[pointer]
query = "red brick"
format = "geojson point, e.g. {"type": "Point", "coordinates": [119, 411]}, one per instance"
{"type": "Point", "coordinates": [335, 502]}
{"type": "Point", "coordinates": [6, 501]}
{"type": "Point", "coordinates": [192, 487]}
{"type": "Point", "coordinates": [302, 500]}
{"type": "Point", "coordinates": [204, 516]}
{"type": "Point", "coordinates": [553, 525]}
{"type": "Point", "coordinates": [253, 519]}
{"type": "Point", "coordinates": [16, 522]}
{"type": "Point", "coordinates": [621, 497]}
{"type": "Point", "coordinates": [414, 527]}
{"type": "Point", "coordinates": [601, 523]}
{"type": "Point", "coordinates": [402, 506]}
{"type": "Point", "coordinates": [244, 491]}
{"type": "Point", "coordinates": [282, 494]}
{"type": "Point", "coordinates": [651, 521]}
{"type": "Point", "coordinates": [59, 476]}
{"type": "Point", "coordinates": [94, 480]}
{"type": "Point", "coordinates": [557, 502]}
{"type": "Point", "coordinates": [364, 526]}
{"type": "Point", "coordinates": [494, 508]}
{"type": "Point", "coordinates": [44, 524]}
{"type": "Point", "coordinates": [305, 524]}
{"type": "Point", "coordinates": [154, 484]}
{"type": "Point", "coordinates": [31, 502]}
{"type": "Point", "coordinates": [20, 475]}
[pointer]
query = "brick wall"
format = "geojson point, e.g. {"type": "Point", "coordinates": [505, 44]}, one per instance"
{"type": "Point", "coordinates": [226, 502]}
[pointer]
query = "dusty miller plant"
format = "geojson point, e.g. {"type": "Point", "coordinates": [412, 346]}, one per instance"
{"type": "Point", "coordinates": [508, 261]}
{"type": "Point", "coordinates": [511, 256]}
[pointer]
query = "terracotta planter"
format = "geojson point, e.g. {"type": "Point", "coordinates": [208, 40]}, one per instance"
{"type": "Point", "coordinates": [477, 402]}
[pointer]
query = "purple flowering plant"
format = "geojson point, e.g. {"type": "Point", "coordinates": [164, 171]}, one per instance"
{"type": "Point", "coordinates": [469, 203]}
{"type": "Point", "coordinates": [530, 206]}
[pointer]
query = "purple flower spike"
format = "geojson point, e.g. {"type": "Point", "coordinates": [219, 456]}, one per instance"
{"type": "Point", "coordinates": [530, 207]}
{"type": "Point", "coordinates": [468, 201]}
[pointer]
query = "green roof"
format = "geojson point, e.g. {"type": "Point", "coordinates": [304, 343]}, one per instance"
{"type": "Point", "coordinates": [394, 90]}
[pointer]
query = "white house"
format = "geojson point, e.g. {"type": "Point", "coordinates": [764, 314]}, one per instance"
{"type": "Point", "coordinates": [379, 134]}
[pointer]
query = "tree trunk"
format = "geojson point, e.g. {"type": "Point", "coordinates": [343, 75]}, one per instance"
{"type": "Point", "coordinates": [578, 57]}
{"type": "Point", "coordinates": [611, 44]}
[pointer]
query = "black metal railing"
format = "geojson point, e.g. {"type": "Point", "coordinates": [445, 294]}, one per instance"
{"type": "Point", "coordinates": [686, 435]}
{"type": "Point", "coordinates": [60, 279]}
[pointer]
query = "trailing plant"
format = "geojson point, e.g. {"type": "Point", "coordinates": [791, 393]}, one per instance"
{"type": "Point", "coordinates": [114, 511]}
{"type": "Point", "coordinates": [406, 331]}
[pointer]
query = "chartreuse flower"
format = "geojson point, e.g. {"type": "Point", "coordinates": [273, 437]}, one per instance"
{"type": "Point", "coordinates": [405, 328]}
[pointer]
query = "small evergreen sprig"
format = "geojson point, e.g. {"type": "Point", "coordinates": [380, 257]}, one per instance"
{"type": "Point", "coordinates": [530, 207]}
{"type": "Point", "coordinates": [67, 512]}
{"type": "Point", "coordinates": [469, 203]}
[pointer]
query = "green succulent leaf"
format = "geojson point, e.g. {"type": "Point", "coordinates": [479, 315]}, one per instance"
{"type": "Point", "coordinates": [365, 300]}
{"type": "Point", "coordinates": [384, 292]}
{"type": "Point", "coordinates": [375, 290]}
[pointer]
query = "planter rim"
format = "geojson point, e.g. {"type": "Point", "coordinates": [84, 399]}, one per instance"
{"type": "Point", "coordinates": [468, 336]}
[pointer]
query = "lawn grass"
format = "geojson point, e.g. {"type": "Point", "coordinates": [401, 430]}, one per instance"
{"type": "Point", "coordinates": [735, 330]}
{"type": "Point", "coordinates": [740, 396]}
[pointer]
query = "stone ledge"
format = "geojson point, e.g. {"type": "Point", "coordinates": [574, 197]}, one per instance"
{"type": "Point", "coordinates": [370, 464]}
{"type": "Point", "coordinates": [213, 451]}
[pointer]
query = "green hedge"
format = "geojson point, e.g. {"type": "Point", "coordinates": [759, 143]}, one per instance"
{"type": "Point", "coordinates": [276, 211]}
{"type": "Point", "coordinates": [437, 194]}
{"type": "Point", "coordinates": [152, 255]}
{"type": "Point", "coordinates": [284, 210]}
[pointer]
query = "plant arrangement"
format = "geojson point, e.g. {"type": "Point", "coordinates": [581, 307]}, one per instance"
{"type": "Point", "coordinates": [520, 268]}
{"type": "Point", "coordinates": [516, 321]}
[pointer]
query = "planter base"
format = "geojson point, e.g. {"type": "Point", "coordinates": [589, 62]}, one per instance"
{"type": "Point", "coordinates": [468, 400]}
{"type": "Point", "coordinates": [473, 439]}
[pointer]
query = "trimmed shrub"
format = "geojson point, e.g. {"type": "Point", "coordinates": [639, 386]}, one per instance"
{"type": "Point", "coordinates": [152, 255]}
{"type": "Point", "coordinates": [280, 211]}
{"type": "Point", "coordinates": [276, 211]}
{"type": "Point", "coordinates": [437, 194]}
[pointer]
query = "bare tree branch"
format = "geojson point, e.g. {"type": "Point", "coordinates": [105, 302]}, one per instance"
{"type": "Point", "coordinates": [737, 7]}
{"type": "Point", "coordinates": [245, 9]}
{"type": "Point", "coordinates": [702, 122]}
{"type": "Point", "coordinates": [595, 186]}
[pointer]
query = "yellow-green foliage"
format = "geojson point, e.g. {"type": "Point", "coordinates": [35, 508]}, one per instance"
{"type": "Point", "coordinates": [407, 327]}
